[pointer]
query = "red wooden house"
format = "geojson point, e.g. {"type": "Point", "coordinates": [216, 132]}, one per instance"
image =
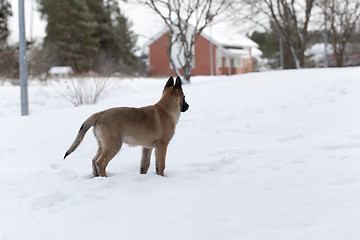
{"type": "Point", "coordinates": [231, 55]}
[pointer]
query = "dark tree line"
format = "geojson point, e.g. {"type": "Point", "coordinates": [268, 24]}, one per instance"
{"type": "Point", "coordinates": [5, 13]}
{"type": "Point", "coordinates": [8, 54]}
{"type": "Point", "coordinates": [87, 35]}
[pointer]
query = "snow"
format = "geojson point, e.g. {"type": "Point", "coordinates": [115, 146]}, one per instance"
{"type": "Point", "coordinates": [317, 50]}
{"type": "Point", "coordinates": [60, 70]}
{"type": "Point", "coordinates": [271, 155]}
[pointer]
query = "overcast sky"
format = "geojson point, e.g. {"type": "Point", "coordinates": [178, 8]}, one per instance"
{"type": "Point", "coordinates": [38, 25]}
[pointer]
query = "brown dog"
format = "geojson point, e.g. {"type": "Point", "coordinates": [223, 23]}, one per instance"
{"type": "Point", "coordinates": [150, 127]}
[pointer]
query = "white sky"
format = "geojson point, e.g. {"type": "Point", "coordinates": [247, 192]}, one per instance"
{"type": "Point", "coordinates": [38, 25]}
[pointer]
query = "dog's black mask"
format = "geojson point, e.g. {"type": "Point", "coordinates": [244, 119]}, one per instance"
{"type": "Point", "coordinates": [184, 106]}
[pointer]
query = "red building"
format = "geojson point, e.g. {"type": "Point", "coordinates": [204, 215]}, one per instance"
{"type": "Point", "coordinates": [231, 55]}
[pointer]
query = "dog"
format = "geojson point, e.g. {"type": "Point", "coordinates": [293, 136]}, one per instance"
{"type": "Point", "coordinates": [150, 127]}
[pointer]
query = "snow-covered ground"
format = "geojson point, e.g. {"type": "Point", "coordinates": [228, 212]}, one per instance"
{"type": "Point", "coordinates": [271, 155]}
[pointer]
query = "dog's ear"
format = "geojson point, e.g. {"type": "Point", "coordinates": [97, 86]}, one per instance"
{"type": "Point", "coordinates": [178, 83]}
{"type": "Point", "coordinates": [170, 82]}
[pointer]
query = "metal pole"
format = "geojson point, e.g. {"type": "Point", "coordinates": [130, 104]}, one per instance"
{"type": "Point", "coordinates": [326, 62]}
{"type": "Point", "coordinates": [281, 53]}
{"type": "Point", "coordinates": [23, 61]}
{"type": "Point", "coordinates": [31, 20]}
{"type": "Point", "coordinates": [211, 54]}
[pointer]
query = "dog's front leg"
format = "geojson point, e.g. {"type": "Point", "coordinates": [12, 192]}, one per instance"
{"type": "Point", "coordinates": [145, 160]}
{"type": "Point", "coordinates": [160, 153]}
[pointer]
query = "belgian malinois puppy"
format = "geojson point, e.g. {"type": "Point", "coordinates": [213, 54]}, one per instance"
{"type": "Point", "coordinates": [150, 127]}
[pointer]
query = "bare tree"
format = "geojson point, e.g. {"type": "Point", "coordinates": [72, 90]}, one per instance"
{"type": "Point", "coordinates": [342, 17]}
{"type": "Point", "coordinates": [291, 18]}
{"type": "Point", "coordinates": [185, 20]}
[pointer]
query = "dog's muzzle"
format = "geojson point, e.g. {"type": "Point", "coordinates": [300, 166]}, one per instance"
{"type": "Point", "coordinates": [184, 106]}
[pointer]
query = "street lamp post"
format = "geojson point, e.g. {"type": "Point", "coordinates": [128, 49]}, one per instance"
{"type": "Point", "coordinates": [23, 61]}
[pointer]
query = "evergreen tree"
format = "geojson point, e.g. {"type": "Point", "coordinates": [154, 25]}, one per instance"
{"type": "Point", "coordinates": [9, 64]}
{"type": "Point", "coordinates": [87, 35]}
{"type": "Point", "coordinates": [117, 42]}
{"type": "Point", "coordinates": [269, 45]}
{"type": "Point", "coordinates": [70, 32]}
{"type": "Point", "coordinates": [5, 12]}
{"type": "Point", "coordinates": [103, 32]}
{"type": "Point", "coordinates": [125, 39]}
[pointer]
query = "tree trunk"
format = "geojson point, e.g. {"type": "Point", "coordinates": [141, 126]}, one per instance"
{"type": "Point", "coordinates": [168, 51]}
{"type": "Point", "coordinates": [187, 73]}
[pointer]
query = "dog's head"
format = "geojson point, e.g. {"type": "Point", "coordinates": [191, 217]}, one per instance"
{"type": "Point", "coordinates": [177, 92]}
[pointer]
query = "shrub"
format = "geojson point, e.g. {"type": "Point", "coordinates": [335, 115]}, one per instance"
{"type": "Point", "coordinates": [86, 89]}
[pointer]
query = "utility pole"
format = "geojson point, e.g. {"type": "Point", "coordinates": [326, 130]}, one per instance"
{"type": "Point", "coordinates": [281, 52]}
{"type": "Point", "coordinates": [211, 55]}
{"type": "Point", "coordinates": [23, 61]}
{"type": "Point", "coordinates": [210, 18]}
{"type": "Point", "coordinates": [31, 21]}
{"type": "Point", "coordinates": [326, 62]}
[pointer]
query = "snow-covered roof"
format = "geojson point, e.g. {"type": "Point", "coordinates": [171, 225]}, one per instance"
{"type": "Point", "coordinates": [255, 52]}
{"type": "Point", "coordinates": [222, 37]}
{"type": "Point", "coordinates": [228, 37]}
{"type": "Point", "coordinates": [155, 37]}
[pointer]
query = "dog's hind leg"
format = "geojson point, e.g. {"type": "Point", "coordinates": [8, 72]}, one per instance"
{"type": "Point", "coordinates": [145, 160]}
{"type": "Point", "coordinates": [98, 153]}
{"type": "Point", "coordinates": [160, 153]}
{"type": "Point", "coordinates": [94, 168]}
{"type": "Point", "coordinates": [108, 152]}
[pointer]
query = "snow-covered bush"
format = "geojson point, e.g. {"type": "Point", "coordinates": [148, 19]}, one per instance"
{"type": "Point", "coordinates": [86, 89]}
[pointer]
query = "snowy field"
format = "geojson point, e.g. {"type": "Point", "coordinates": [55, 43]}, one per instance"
{"type": "Point", "coordinates": [261, 156]}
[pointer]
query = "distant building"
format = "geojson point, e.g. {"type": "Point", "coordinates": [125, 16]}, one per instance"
{"type": "Point", "coordinates": [232, 54]}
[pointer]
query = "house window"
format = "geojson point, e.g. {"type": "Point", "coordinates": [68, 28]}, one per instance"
{"type": "Point", "coordinates": [238, 62]}
{"type": "Point", "coordinates": [235, 62]}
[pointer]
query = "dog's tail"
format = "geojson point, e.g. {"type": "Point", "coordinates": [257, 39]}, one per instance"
{"type": "Point", "coordinates": [91, 121]}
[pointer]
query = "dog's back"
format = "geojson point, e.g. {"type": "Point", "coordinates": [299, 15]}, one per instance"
{"type": "Point", "coordinates": [133, 126]}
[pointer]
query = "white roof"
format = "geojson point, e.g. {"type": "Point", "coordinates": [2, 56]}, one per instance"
{"type": "Point", "coordinates": [228, 36]}
{"type": "Point", "coordinates": [255, 52]}
{"type": "Point", "coordinates": [219, 36]}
